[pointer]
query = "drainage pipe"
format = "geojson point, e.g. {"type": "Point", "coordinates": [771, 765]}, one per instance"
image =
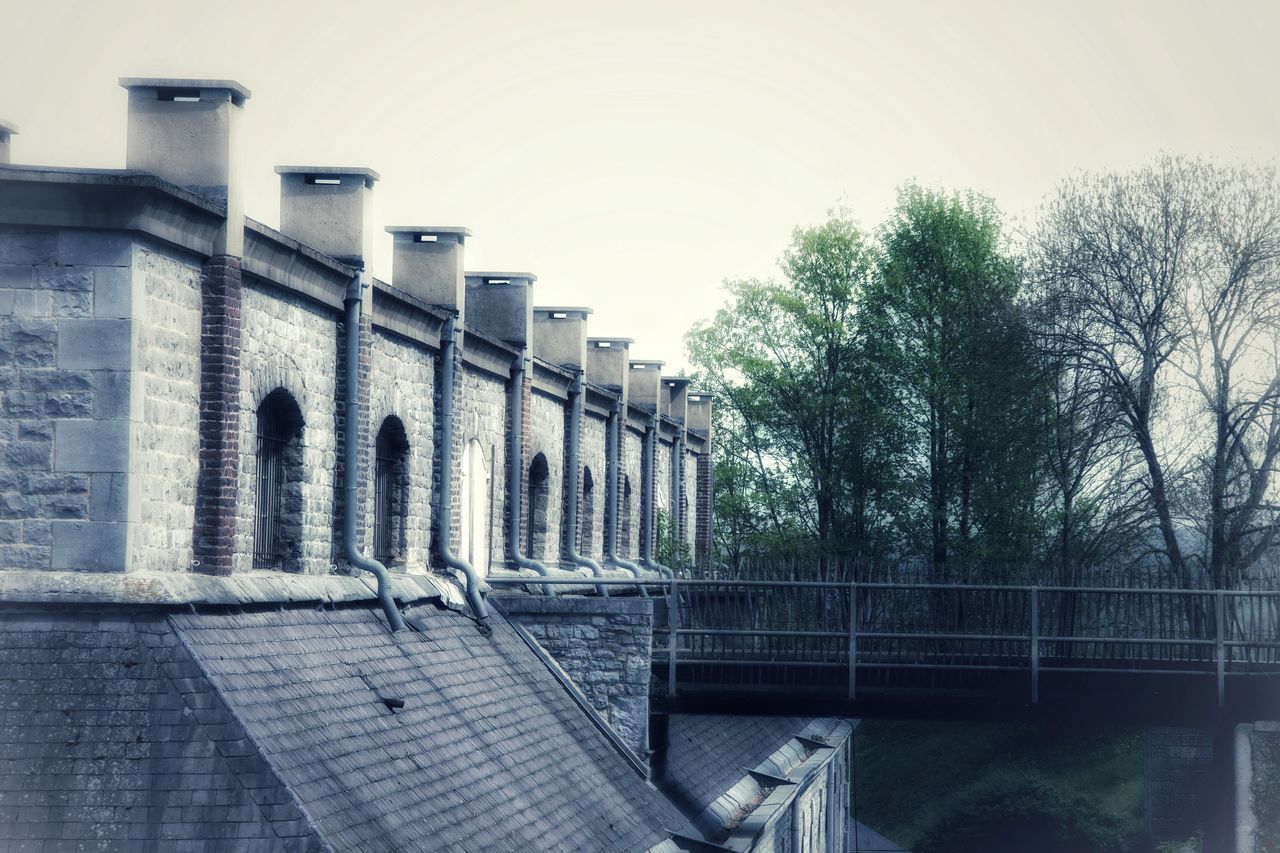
{"type": "Point", "coordinates": [575, 474]}
{"type": "Point", "coordinates": [648, 465]}
{"type": "Point", "coordinates": [350, 472]}
{"type": "Point", "coordinates": [515, 474]}
{"type": "Point", "coordinates": [612, 462]}
{"type": "Point", "coordinates": [448, 353]}
{"type": "Point", "coordinates": [677, 484]}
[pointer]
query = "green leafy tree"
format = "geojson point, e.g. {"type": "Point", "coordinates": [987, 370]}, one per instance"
{"type": "Point", "coordinates": [960, 360]}
{"type": "Point", "coordinates": [792, 366]}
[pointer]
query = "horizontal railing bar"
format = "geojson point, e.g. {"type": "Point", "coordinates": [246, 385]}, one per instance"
{"type": "Point", "coordinates": [585, 580]}
{"type": "Point", "coordinates": [895, 635]}
{"type": "Point", "coordinates": [1163, 641]}
{"type": "Point", "coordinates": [751, 632]}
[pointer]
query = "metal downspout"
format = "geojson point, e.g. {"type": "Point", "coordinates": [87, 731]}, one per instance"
{"type": "Point", "coordinates": [677, 484]}
{"type": "Point", "coordinates": [350, 455]}
{"type": "Point", "coordinates": [613, 456]}
{"type": "Point", "coordinates": [646, 513]}
{"type": "Point", "coordinates": [515, 463]}
{"type": "Point", "coordinates": [575, 474]}
{"type": "Point", "coordinates": [448, 351]}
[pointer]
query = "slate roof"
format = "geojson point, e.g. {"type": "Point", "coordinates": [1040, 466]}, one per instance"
{"type": "Point", "coordinates": [488, 751]}
{"type": "Point", "coordinates": [113, 739]}
{"type": "Point", "coordinates": [707, 754]}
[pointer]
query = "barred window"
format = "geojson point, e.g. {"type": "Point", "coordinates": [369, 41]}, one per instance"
{"type": "Point", "coordinates": [277, 518]}
{"type": "Point", "coordinates": [539, 494]}
{"type": "Point", "coordinates": [390, 492]}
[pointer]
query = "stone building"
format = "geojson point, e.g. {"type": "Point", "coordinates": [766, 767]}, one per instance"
{"type": "Point", "coordinates": [251, 503]}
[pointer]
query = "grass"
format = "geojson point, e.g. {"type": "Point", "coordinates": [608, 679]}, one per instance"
{"type": "Point", "coordinates": [994, 787]}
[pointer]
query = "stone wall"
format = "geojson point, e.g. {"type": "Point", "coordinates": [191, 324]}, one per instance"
{"type": "Point", "coordinates": [546, 436]}
{"type": "Point", "coordinates": [66, 303]}
{"type": "Point", "coordinates": [629, 524]}
{"type": "Point", "coordinates": [165, 451]}
{"type": "Point", "coordinates": [689, 502]}
{"type": "Point", "coordinates": [1177, 767]}
{"type": "Point", "coordinates": [604, 645]}
{"type": "Point", "coordinates": [402, 383]}
{"type": "Point", "coordinates": [591, 518]}
{"type": "Point", "coordinates": [482, 418]}
{"type": "Point", "coordinates": [288, 342]}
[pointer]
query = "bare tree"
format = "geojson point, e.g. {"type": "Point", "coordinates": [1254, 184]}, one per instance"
{"type": "Point", "coordinates": [1170, 272]}
{"type": "Point", "coordinates": [1232, 316]}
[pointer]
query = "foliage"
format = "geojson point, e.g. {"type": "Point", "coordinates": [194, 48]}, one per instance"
{"type": "Point", "coordinates": [988, 787]}
{"type": "Point", "coordinates": [959, 356]}
{"type": "Point", "coordinates": [802, 436]}
{"type": "Point", "coordinates": [670, 551]}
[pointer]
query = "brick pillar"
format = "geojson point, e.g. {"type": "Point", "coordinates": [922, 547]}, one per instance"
{"type": "Point", "coordinates": [526, 413]}
{"type": "Point", "coordinates": [217, 484]}
{"type": "Point", "coordinates": [702, 530]}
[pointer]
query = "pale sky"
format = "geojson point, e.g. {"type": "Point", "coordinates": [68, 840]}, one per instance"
{"type": "Point", "coordinates": [634, 156]}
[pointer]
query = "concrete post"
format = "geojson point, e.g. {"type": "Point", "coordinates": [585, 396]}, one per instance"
{"type": "Point", "coordinates": [426, 262]}
{"type": "Point", "coordinates": [501, 305]}
{"type": "Point", "coordinates": [7, 130]}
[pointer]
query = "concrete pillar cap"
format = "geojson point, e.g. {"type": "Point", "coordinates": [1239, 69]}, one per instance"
{"type": "Point", "coordinates": [501, 277]}
{"type": "Point", "coordinates": [8, 128]}
{"type": "Point", "coordinates": [647, 365]}
{"type": "Point", "coordinates": [415, 233]}
{"type": "Point", "coordinates": [558, 312]}
{"type": "Point", "coordinates": [183, 88]}
{"type": "Point", "coordinates": [330, 174]}
{"type": "Point", "coordinates": [611, 343]}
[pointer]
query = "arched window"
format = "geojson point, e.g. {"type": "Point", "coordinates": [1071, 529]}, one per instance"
{"type": "Point", "coordinates": [475, 507]}
{"type": "Point", "coordinates": [586, 528]}
{"type": "Point", "coordinates": [539, 494]}
{"type": "Point", "coordinates": [624, 521]}
{"type": "Point", "coordinates": [277, 517]}
{"type": "Point", "coordinates": [390, 492]}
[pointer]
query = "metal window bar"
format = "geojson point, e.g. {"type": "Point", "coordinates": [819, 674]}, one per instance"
{"type": "Point", "coordinates": [384, 482]}
{"type": "Point", "coordinates": [267, 550]}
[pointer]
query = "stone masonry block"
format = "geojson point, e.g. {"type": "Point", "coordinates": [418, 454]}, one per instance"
{"type": "Point", "coordinates": [28, 247]}
{"type": "Point", "coordinates": [109, 498]}
{"type": "Point", "coordinates": [113, 292]}
{"type": "Point", "coordinates": [91, 446]}
{"type": "Point", "coordinates": [89, 546]}
{"type": "Point", "coordinates": [101, 248]}
{"type": "Point", "coordinates": [111, 396]}
{"type": "Point", "coordinates": [17, 277]}
{"type": "Point", "coordinates": [65, 279]}
{"type": "Point", "coordinates": [94, 344]}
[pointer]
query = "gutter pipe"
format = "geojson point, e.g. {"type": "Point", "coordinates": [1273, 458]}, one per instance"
{"type": "Point", "coordinates": [575, 473]}
{"type": "Point", "coordinates": [515, 464]}
{"type": "Point", "coordinates": [352, 304]}
{"type": "Point", "coordinates": [448, 351]}
{"type": "Point", "coordinates": [646, 514]}
{"type": "Point", "coordinates": [677, 483]}
{"type": "Point", "coordinates": [612, 453]}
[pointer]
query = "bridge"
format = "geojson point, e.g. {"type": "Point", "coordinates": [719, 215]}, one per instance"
{"type": "Point", "coordinates": [1140, 655]}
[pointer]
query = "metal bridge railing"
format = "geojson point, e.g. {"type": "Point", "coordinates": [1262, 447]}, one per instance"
{"type": "Point", "coordinates": [827, 635]}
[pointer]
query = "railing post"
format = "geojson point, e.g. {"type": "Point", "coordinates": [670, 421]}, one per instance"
{"type": "Point", "coordinates": [1035, 645]}
{"type": "Point", "coordinates": [1219, 650]}
{"type": "Point", "coordinates": [853, 641]}
{"type": "Point", "coordinates": [673, 619]}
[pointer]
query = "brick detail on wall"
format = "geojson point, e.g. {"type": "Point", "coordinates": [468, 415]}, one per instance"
{"type": "Point", "coordinates": [217, 489]}
{"type": "Point", "coordinates": [1176, 775]}
{"type": "Point", "coordinates": [702, 536]}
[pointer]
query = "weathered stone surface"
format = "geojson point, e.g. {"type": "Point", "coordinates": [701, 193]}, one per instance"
{"type": "Point", "coordinates": [604, 645]}
{"type": "Point", "coordinates": [95, 344]}
{"type": "Point", "coordinates": [101, 248]}
{"type": "Point", "coordinates": [91, 446]}
{"type": "Point", "coordinates": [88, 546]}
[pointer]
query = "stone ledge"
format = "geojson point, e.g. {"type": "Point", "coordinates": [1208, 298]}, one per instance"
{"type": "Point", "coordinates": [515, 603]}
{"type": "Point", "coordinates": [165, 588]}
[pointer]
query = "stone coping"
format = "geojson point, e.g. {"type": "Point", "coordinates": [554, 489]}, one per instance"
{"type": "Point", "coordinates": [184, 588]}
{"type": "Point", "coordinates": [459, 230]}
{"type": "Point", "coordinates": [235, 88]}
{"type": "Point", "coordinates": [512, 276]}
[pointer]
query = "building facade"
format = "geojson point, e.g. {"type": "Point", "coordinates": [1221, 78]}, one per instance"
{"type": "Point", "coordinates": [233, 460]}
